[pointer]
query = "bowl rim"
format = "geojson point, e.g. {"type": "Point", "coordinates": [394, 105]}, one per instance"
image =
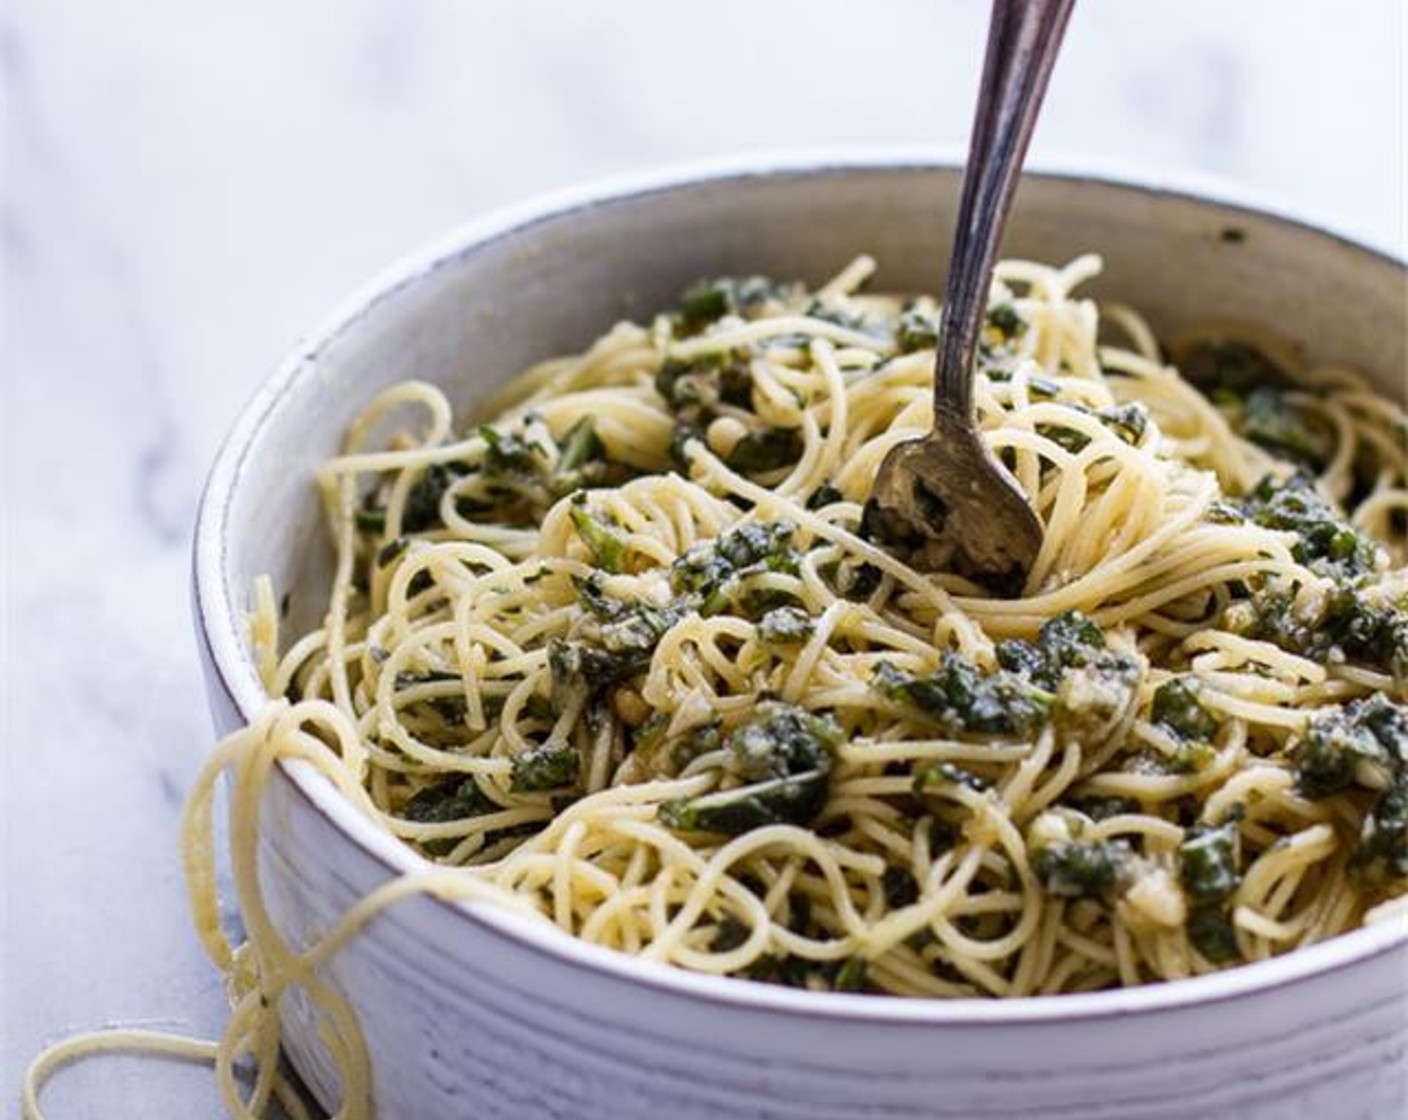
{"type": "Point", "coordinates": [232, 670]}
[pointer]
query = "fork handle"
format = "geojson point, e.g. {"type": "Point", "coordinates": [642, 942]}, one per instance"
{"type": "Point", "coordinates": [1023, 38]}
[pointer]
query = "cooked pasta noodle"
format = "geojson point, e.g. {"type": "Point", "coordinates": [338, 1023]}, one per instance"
{"type": "Point", "coordinates": [632, 657]}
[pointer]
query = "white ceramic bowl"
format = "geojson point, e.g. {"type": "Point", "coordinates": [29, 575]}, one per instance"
{"type": "Point", "coordinates": [472, 1012]}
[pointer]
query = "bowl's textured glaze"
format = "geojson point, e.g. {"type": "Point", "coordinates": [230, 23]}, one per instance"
{"type": "Point", "coordinates": [466, 1012]}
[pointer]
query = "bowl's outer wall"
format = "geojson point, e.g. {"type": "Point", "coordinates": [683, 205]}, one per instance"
{"type": "Point", "coordinates": [463, 1019]}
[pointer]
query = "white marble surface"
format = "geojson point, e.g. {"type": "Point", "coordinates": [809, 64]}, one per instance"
{"type": "Point", "coordinates": [187, 185]}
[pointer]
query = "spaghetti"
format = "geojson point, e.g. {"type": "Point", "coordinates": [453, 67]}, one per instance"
{"type": "Point", "coordinates": [632, 657]}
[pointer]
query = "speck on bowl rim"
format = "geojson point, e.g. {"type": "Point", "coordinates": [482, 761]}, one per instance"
{"type": "Point", "coordinates": [235, 686]}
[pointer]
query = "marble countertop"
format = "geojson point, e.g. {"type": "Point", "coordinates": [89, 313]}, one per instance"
{"type": "Point", "coordinates": [187, 186]}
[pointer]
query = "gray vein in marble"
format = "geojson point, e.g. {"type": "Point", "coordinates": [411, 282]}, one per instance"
{"type": "Point", "coordinates": [163, 481]}
{"type": "Point", "coordinates": [386, 58]}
